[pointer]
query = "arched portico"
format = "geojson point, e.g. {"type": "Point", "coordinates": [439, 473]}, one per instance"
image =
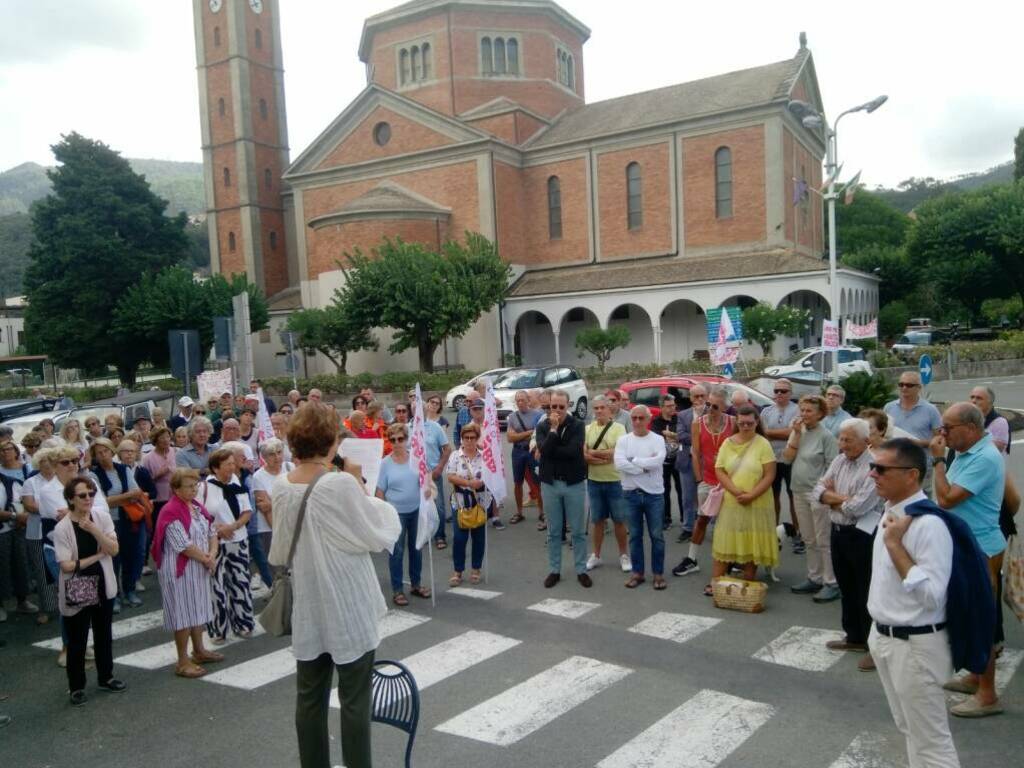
{"type": "Point", "coordinates": [817, 305]}
{"type": "Point", "coordinates": [534, 341]}
{"type": "Point", "coordinates": [683, 330]}
{"type": "Point", "coordinates": [573, 321]}
{"type": "Point", "coordinates": [643, 334]}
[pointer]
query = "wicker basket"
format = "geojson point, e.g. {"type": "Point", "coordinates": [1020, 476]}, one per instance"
{"type": "Point", "coordinates": [739, 594]}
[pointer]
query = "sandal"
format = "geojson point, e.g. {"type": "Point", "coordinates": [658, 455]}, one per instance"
{"type": "Point", "coordinates": [659, 583]}
{"type": "Point", "coordinates": [420, 592]}
{"type": "Point", "coordinates": [474, 577]}
{"type": "Point", "coordinates": [635, 581]}
{"type": "Point", "coordinates": [207, 657]}
{"type": "Point", "coordinates": [518, 517]}
{"type": "Point", "coordinates": [191, 671]}
{"type": "Point", "coordinates": [399, 598]}
{"type": "Point", "coordinates": [42, 618]}
{"type": "Point", "coordinates": [709, 591]}
{"type": "Point", "coordinates": [455, 580]}
{"type": "Point", "coordinates": [441, 544]}
{"type": "Point", "coordinates": [542, 524]}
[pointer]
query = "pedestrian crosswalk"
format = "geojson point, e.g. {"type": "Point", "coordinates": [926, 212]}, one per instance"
{"type": "Point", "coordinates": [802, 648]}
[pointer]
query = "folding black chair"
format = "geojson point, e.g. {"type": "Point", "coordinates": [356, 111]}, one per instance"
{"type": "Point", "coordinates": [396, 700]}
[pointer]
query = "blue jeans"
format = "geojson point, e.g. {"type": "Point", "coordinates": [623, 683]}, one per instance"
{"type": "Point", "coordinates": [50, 560]}
{"type": "Point", "coordinates": [442, 510]}
{"type": "Point", "coordinates": [606, 501]}
{"type": "Point", "coordinates": [410, 523]}
{"type": "Point", "coordinates": [689, 499]}
{"type": "Point", "coordinates": [460, 537]}
{"type": "Point", "coordinates": [647, 507]}
{"type": "Point", "coordinates": [563, 504]}
{"type": "Point", "coordinates": [131, 552]}
{"type": "Point", "coordinates": [259, 557]}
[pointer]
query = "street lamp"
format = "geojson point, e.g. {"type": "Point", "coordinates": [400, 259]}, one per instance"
{"type": "Point", "coordinates": [813, 120]}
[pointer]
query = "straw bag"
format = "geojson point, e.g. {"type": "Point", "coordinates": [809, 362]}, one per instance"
{"type": "Point", "coordinates": [739, 594]}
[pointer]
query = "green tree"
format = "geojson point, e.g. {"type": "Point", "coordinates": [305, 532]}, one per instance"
{"type": "Point", "coordinates": [601, 343]}
{"type": "Point", "coordinates": [221, 290]}
{"type": "Point", "coordinates": [892, 319]}
{"type": "Point", "coordinates": [869, 222]}
{"type": "Point", "coordinates": [1018, 156]}
{"type": "Point", "coordinates": [764, 323]}
{"type": "Point", "coordinates": [899, 276]}
{"type": "Point", "coordinates": [423, 295]}
{"type": "Point", "coordinates": [97, 234]}
{"type": "Point", "coordinates": [332, 332]}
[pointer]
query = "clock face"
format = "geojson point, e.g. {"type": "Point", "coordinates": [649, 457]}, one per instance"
{"type": "Point", "coordinates": [256, 5]}
{"type": "Point", "coordinates": [215, 5]}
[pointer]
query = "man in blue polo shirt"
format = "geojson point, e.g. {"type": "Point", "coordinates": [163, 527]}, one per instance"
{"type": "Point", "coordinates": [437, 449]}
{"type": "Point", "coordinates": [972, 489]}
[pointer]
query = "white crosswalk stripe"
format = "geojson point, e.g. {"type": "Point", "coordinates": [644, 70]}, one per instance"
{"type": "Point", "coordinates": [439, 662]}
{"type": "Point", "coordinates": [524, 708]}
{"type": "Point", "coordinates": [802, 648]}
{"type": "Point", "coordinates": [865, 751]}
{"type": "Point", "coordinates": [271, 667]}
{"type": "Point", "coordinates": [699, 734]}
{"type": "Point", "coordinates": [122, 628]}
{"type": "Point", "coordinates": [677, 627]}
{"type": "Point", "coordinates": [566, 609]}
{"type": "Point", "coordinates": [166, 654]}
{"type": "Point", "coordinates": [476, 594]}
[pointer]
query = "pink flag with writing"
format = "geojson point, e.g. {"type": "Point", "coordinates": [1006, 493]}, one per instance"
{"type": "Point", "coordinates": [490, 449]}
{"type": "Point", "coordinates": [427, 522]}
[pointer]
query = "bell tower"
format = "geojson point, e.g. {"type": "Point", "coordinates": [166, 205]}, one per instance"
{"type": "Point", "coordinates": [244, 137]}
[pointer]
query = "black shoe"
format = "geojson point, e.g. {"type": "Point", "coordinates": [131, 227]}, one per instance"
{"type": "Point", "coordinates": [799, 547]}
{"type": "Point", "coordinates": [684, 536]}
{"type": "Point", "coordinates": [585, 580]}
{"type": "Point", "coordinates": [687, 566]}
{"type": "Point", "coordinates": [551, 579]}
{"type": "Point", "coordinates": [113, 685]}
{"type": "Point", "coordinates": [497, 525]}
{"type": "Point", "coordinates": [78, 698]}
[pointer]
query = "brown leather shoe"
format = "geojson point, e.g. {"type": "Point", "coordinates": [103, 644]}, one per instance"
{"type": "Point", "coordinates": [867, 664]}
{"type": "Point", "coordinates": [845, 645]}
{"type": "Point", "coordinates": [551, 579]}
{"type": "Point", "coordinates": [585, 580]}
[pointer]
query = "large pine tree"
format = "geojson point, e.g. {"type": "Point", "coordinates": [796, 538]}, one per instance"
{"type": "Point", "coordinates": [98, 233]}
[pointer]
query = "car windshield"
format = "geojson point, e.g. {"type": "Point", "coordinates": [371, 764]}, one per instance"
{"type": "Point", "coordinates": [797, 357]}
{"type": "Point", "coordinates": [521, 378]}
{"type": "Point", "coordinates": [100, 412]}
{"type": "Point", "coordinates": [919, 337]}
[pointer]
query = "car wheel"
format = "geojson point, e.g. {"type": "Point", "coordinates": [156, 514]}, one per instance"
{"type": "Point", "coordinates": [458, 401]}
{"type": "Point", "coordinates": [581, 408]}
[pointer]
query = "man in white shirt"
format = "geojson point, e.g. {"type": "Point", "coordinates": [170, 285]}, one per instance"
{"type": "Point", "coordinates": [639, 456]}
{"type": "Point", "coordinates": [911, 566]}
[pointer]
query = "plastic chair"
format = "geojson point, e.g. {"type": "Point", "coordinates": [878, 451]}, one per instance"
{"type": "Point", "coordinates": [396, 700]}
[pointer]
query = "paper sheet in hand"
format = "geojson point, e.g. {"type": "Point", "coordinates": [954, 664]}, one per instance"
{"type": "Point", "coordinates": [368, 454]}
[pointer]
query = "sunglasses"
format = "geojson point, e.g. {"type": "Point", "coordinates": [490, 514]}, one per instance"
{"type": "Point", "coordinates": [468, 437]}
{"type": "Point", "coordinates": [714, 406]}
{"type": "Point", "coordinates": [782, 391]}
{"type": "Point", "coordinates": [545, 407]}
{"type": "Point", "coordinates": [397, 439]}
{"type": "Point", "coordinates": [554, 407]}
{"type": "Point", "coordinates": [638, 418]}
{"type": "Point", "coordinates": [906, 385]}
{"type": "Point", "coordinates": [881, 469]}
{"type": "Point", "coordinates": [85, 495]}
{"type": "Point", "coordinates": [67, 462]}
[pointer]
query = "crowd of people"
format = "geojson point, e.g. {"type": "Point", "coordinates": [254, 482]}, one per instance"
{"type": "Point", "coordinates": [205, 494]}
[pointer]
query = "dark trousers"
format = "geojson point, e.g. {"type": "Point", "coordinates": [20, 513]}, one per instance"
{"type": "Point", "coordinates": [131, 540]}
{"type": "Point", "coordinates": [99, 617]}
{"type": "Point", "coordinates": [851, 561]}
{"type": "Point", "coordinates": [461, 538]}
{"type": "Point", "coordinates": [312, 706]}
{"type": "Point", "coordinates": [258, 557]}
{"type": "Point", "coordinates": [669, 476]}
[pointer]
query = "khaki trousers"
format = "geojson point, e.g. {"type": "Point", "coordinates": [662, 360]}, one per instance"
{"type": "Point", "coordinates": [816, 529]}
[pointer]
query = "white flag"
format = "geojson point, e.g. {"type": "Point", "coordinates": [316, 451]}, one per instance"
{"type": "Point", "coordinates": [490, 449]}
{"type": "Point", "coordinates": [266, 429]}
{"type": "Point", "coordinates": [830, 335]}
{"type": "Point", "coordinates": [427, 523]}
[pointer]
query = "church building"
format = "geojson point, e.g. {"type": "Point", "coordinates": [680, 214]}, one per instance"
{"type": "Point", "coordinates": [644, 210]}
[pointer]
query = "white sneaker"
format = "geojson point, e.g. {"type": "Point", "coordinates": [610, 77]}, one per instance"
{"type": "Point", "coordinates": [625, 563]}
{"type": "Point", "coordinates": [147, 571]}
{"type": "Point", "coordinates": [140, 587]}
{"type": "Point", "coordinates": [593, 562]}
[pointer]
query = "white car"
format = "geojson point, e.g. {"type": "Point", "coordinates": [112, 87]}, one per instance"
{"type": "Point", "coordinates": [563, 377]}
{"type": "Point", "coordinates": [457, 394]}
{"type": "Point", "coordinates": [851, 360]}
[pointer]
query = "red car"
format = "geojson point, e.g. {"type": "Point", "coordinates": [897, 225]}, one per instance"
{"type": "Point", "coordinates": [650, 392]}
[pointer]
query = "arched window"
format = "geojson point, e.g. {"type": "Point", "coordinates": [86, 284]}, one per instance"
{"type": "Point", "coordinates": [723, 183]}
{"type": "Point", "coordinates": [561, 67]}
{"type": "Point", "coordinates": [512, 56]}
{"type": "Point", "coordinates": [231, 241]}
{"type": "Point", "coordinates": [268, 178]}
{"type": "Point", "coordinates": [554, 208]}
{"type": "Point", "coordinates": [273, 241]}
{"type": "Point", "coordinates": [570, 76]}
{"type": "Point", "coordinates": [403, 67]}
{"type": "Point", "coordinates": [499, 56]}
{"type": "Point", "coordinates": [417, 71]}
{"type": "Point", "coordinates": [216, 36]}
{"type": "Point", "coordinates": [426, 61]}
{"type": "Point", "coordinates": [227, 177]}
{"type": "Point", "coordinates": [263, 108]}
{"type": "Point", "coordinates": [221, 107]}
{"type": "Point", "coordinates": [258, 39]}
{"type": "Point", "coordinates": [634, 196]}
{"type": "Point", "coordinates": [804, 197]}
{"type": "Point", "coordinates": [486, 62]}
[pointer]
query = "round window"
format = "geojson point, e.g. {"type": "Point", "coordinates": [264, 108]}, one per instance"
{"type": "Point", "coordinates": [382, 133]}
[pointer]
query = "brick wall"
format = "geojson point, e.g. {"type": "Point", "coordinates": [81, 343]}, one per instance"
{"type": "Point", "coordinates": [803, 222]}
{"type": "Point", "coordinates": [655, 234]}
{"type": "Point", "coordinates": [218, 86]}
{"type": "Point", "coordinates": [574, 245]}
{"type": "Point", "coordinates": [225, 156]}
{"type": "Point", "coordinates": [334, 241]}
{"type": "Point", "coordinates": [264, 129]}
{"type": "Point", "coordinates": [503, 126]}
{"type": "Point", "coordinates": [406, 136]}
{"type": "Point", "coordinates": [275, 260]}
{"type": "Point", "coordinates": [231, 261]}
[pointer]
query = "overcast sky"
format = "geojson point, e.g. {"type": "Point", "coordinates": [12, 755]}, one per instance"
{"type": "Point", "coordinates": [123, 71]}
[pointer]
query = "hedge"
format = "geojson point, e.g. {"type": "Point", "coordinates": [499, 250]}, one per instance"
{"type": "Point", "coordinates": [395, 381]}
{"type": "Point", "coordinates": [83, 395]}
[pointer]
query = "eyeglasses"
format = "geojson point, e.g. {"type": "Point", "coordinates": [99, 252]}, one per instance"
{"type": "Point", "coordinates": [782, 391]}
{"type": "Point", "coordinates": [947, 428]}
{"type": "Point", "coordinates": [397, 439]}
{"type": "Point", "coordinates": [638, 418]}
{"type": "Point", "coordinates": [906, 385]}
{"type": "Point", "coordinates": [67, 462]}
{"type": "Point", "coordinates": [401, 410]}
{"type": "Point", "coordinates": [881, 469]}
{"type": "Point", "coordinates": [469, 437]}
{"type": "Point", "coordinates": [832, 394]}
{"type": "Point", "coordinates": [714, 406]}
{"type": "Point", "coordinates": [697, 396]}
{"type": "Point", "coordinates": [554, 407]}
{"type": "Point", "coordinates": [545, 407]}
{"type": "Point", "coordinates": [85, 495]}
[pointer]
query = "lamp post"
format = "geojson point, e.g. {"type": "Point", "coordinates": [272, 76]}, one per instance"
{"type": "Point", "coordinates": [811, 119]}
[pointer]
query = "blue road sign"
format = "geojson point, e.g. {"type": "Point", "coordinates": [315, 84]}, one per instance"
{"type": "Point", "coordinates": [728, 370]}
{"type": "Point", "coordinates": [925, 366]}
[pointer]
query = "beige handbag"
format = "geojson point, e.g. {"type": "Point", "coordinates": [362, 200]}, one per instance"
{"type": "Point", "coordinates": [739, 594]}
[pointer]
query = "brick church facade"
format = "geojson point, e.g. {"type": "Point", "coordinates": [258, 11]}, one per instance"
{"type": "Point", "coordinates": [643, 210]}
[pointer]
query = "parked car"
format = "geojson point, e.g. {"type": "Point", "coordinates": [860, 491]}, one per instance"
{"type": "Point", "coordinates": [22, 415]}
{"type": "Point", "coordinates": [651, 392]}
{"type": "Point", "coordinates": [851, 360]}
{"type": "Point", "coordinates": [906, 345]}
{"type": "Point", "coordinates": [128, 407]}
{"type": "Point", "coordinates": [457, 394]}
{"type": "Point", "coordinates": [563, 377]}
{"type": "Point", "coordinates": [806, 383]}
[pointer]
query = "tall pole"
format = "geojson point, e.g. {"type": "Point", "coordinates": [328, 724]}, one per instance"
{"type": "Point", "coordinates": [833, 287]}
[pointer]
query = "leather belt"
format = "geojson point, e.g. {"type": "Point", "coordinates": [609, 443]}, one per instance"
{"type": "Point", "coordinates": [904, 633]}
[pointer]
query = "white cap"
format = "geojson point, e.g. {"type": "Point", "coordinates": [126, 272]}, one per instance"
{"type": "Point", "coordinates": [185, 401]}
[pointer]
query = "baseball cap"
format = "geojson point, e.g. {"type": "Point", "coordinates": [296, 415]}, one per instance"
{"type": "Point", "coordinates": [253, 396]}
{"type": "Point", "coordinates": [185, 401]}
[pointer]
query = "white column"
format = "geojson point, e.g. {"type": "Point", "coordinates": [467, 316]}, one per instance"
{"type": "Point", "coordinates": [657, 344]}
{"type": "Point", "coordinates": [558, 357]}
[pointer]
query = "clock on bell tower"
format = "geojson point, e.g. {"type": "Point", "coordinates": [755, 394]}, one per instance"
{"type": "Point", "coordinates": [244, 139]}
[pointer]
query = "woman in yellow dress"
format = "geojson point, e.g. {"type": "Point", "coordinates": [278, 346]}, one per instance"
{"type": "Point", "coordinates": [745, 529]}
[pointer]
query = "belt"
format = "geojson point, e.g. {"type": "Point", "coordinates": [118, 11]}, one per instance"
{"type": "Point", "coordinates": [904, 633]}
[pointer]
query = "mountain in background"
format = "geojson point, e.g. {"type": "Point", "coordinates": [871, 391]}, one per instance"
{"type": "Point", "coordinates": [911, 193]}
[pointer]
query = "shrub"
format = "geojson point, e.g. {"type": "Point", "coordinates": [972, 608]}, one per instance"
{"type": "Point", "coordinates": [885, 359]}
{"type": "Point", "coordinates": [864, 390]}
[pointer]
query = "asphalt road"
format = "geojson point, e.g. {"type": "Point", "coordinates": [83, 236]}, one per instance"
{"type": "Point", "coordinates": [613, 678]}
{"type": "Point", "coordinates": [1009, 390]}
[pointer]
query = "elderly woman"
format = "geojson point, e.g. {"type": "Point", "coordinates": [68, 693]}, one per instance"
{"type": "Point", "coordinates": [432, 410]}
{"type": "Point", "coordinates": [357, 425]}
{"type": "Point", "coordinates": [115, 435]}
{"type": "Point", "coordinates": [13, 556]}
{"type": "Point", "coordinates": [71, 433]}
{"type": "Point", "coordinates": [118, 484]}
{"type": "Point", "coordinates": [228, 502]}
{"type": "Point", "coordinates": [339, 605]}
{"type": "Point", "coordinates": [810, 450]}
{"type": "Point", "coordinates": [159, 418]}
{"type": "Point", "coordinates": [274, 465]}
{"type": "Point", "coordinates": [185, 552]}
{"type": "Point", "coordinates": [112, 421]}
{"type": "Point", "coordinates": [85, 546]}
{"type": "Point", "coordinates": [93, 428]}
{"type": "Point", "coordinates": [745, 529]}
{"type": "Point", "coordinates": [180, 439]}
{"type": "Point", "coordinates": [196, 455]}
{"type": "Point", "coordinates": [128, 454]}
{"type": "Point", "coordinates": [465, 472]}
{"type": "Point", "coordinates": [161, 463]}
{"type": "Point", "coordinates": [399, 485]}
{"type": "Point", "coordinates": [42, 496]}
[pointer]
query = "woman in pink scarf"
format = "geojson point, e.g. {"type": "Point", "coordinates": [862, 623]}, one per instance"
{"type": "Point", "coordinates": [185, 552]}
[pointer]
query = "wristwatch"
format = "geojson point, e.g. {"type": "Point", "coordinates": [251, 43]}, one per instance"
{"type": "Point", "coordinates": [938, 460]}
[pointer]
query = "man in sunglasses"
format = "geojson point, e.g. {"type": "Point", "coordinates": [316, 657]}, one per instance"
{"type": "Point", "coordinates": [685, 421]}
{"type": "Point", "coordinates": [777, 422]}
{"type": "Point", "coordinates": [912, 561]}
{"type": "Point", "coordinates": [617, 402]}
{"type": "Point", "coordinates": [915, 416]}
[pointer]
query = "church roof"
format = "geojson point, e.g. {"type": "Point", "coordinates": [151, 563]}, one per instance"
{"type": "Point", "coordinates": [674, 103]}
{"type": "Point", "coordinates": [387, 199]}
{"type": "Point", "coordinates": [666, 270]}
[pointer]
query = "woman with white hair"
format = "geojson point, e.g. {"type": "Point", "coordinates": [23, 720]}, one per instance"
{"type": "Point", "coordinates": [274, 465]}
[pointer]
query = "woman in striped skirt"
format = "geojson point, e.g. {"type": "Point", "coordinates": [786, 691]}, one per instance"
{"type": "Point", "coordinates": [228, 503]}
